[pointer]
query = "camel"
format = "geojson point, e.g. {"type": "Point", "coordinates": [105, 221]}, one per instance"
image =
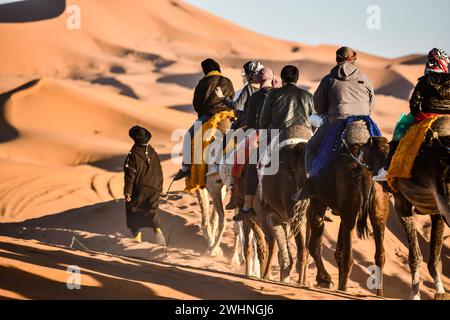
{"type": "Point", "coordinates": [428, 191]}
{"type": "Point", "coordinates": [259, 229]}
{"type": "Point", "coordinates": [250, 244]}
{"type": "Point", "coordinates": [347, 188]}
{"type": "Point", "coordinates": [214, 221]}
{"type": "Point", "coordinates": [287, 218]}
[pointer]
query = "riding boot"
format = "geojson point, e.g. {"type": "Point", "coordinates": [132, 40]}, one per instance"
{"type": "Point", "coordinates": [307, 192]}
{"type": "Point", "coordinates": [233, 203]}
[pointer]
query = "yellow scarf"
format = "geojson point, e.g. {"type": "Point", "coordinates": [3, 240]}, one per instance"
{"type": "Point", "coordinates": [214, 73]}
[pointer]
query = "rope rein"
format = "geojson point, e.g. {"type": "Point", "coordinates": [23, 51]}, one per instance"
{"type": "Point", "coordinates": [351, 155]}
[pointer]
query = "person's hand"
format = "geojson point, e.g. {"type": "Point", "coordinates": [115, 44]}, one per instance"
{"type": "Point", "coordinates": [128, 197]}
{"type": "Point", "coordinates": [219, 93]}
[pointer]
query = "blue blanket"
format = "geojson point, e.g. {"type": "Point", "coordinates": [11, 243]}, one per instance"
{"type": "Point", "coordinates": [332, 143]}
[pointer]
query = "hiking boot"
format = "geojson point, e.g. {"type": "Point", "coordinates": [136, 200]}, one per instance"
{"type": "Point", "coordinates": [245, 215]}
{"type": "Point", "coordinates": [181, 175]}
{"type": "Point", "coordinates": [233, 203]}
{"type": "Point", "coordinates": [306, 193]}
{"type": "Point", "coordinates": [160, 240]}
{"type": "Point", "coordinates": [381, 176]}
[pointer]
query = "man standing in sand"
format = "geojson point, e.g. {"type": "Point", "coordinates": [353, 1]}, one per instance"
{"type": "Point", "coordinates": [206, 104]}
{"type": "Point", "coordinates": [143, 186]}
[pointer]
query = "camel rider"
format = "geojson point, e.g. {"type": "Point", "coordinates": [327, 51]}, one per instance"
{"type": "Point", "coordinates": [267, 82]}
{"type": "Point", "coordinates": [287, 106]}
{"type": "Point", "coordinates": [283, 107]}
{"type": "Point", "coordinates": [206, 104]}
{"type": "Point", "coordinates": [249, 76]}
{"type": "Point", "coordinates": [343, 93]}
{"type": "Point", "coordinates": [430, 97]}
{"type": "Point", "coordinates": [240, 105]}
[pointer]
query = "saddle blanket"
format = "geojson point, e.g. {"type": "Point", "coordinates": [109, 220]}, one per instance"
{"type": "Point", "coordinates": [332, 143]}
{"type": "Point", "coordinates": [407, 151]}
{"type": "Point", "coordinates": [197, 178]}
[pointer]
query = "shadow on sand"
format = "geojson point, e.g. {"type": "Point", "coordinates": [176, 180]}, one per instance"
{"type": "Point", "coordinates": [102, 228]}
{"type": "Point", "coordinates": [31, 10]}
{"type": "Point", "coordinates": [8, 132]}
{"type": "Point", "coordinates": [118, 278]}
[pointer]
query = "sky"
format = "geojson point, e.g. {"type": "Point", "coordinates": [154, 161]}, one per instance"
{"type": "Point", "coordinates": [402, 27]}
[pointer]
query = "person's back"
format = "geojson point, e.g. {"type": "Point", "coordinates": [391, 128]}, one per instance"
{"type": "Point", "coordinates": [345, 92]}
{"type": "Point", "coordinates": [432, 94]}
{"type": "Point", "coordinates": [206, 102]}
{"type": "Point", "coordinates": [148, 167]}
{"type": "Point", "coordinates": [293, 106]}
{"type": "Point", "coordinates": [287, 106]}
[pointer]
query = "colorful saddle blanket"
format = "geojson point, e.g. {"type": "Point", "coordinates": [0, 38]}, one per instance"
{"type": "Point", "coordinates": [332, 143]}
{"type": "Point", "coordinates": [199, 168]}
{"type": "Point", "coordinates": [408, 149]}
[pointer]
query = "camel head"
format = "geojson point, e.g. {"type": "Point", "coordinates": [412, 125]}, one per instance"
{"type": "Point", "coordinates": [374, 153]}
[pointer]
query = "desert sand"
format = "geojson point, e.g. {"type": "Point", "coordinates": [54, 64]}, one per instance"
{"type": "Point", "coordinates": [68, 98]}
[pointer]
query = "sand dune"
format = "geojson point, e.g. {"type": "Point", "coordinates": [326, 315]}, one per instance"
{"type": "Point", "coordinates": [67, 100]}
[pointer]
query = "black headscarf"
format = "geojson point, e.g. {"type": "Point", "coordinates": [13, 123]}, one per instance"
{"type": "Point", "coordinates": [209, 65]}
{"type": "Point", "coordinates": [140, 135]}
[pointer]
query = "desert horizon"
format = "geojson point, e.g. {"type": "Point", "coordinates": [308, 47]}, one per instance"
{"type": "Point", "coordinates": [70, 93]}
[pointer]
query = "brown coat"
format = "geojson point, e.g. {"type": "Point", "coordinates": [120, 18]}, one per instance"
{"type": "Point", "coordinates": [144, 181]}
{"type": "Point", "coordinates": [206, 102]}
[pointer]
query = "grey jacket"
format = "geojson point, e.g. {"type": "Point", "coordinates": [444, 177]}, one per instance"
{"type": "Point", "coordinates": [343, 93]}
{"type": "Point", "coordinates": [240, 105]}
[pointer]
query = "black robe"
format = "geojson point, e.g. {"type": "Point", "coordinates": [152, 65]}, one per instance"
{"type": "Point", "coordinates": [144, 181]}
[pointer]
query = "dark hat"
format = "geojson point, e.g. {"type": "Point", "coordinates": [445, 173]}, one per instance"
{"type": "Point", "coordinates": [209, 65]}
{"type": "Point", "coordinates": [140, 135]}
{"type": "Point", "coordinates": [345, 54]}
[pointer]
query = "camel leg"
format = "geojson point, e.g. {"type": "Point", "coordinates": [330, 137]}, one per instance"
{"type": "Point", "coordinates": [316, 213]}
{"type": "Point", "coordinates": [256, 266]}
{"type": "Point", "coordinates": [202, 197]}
{"type": "Point", "coordinates": [272, 247]}
{"type": "Point", "coordinates": [237, 258]}
{"type": "Point", "coordinates": [273, 253]}
{"type": "Point", "coordinates": [215, 188]}
{"type": "Point", "coordinates": [404, 210]}
{"type": "Point", "coordinates": [247, 249]}
{"type": "Point", "coordinates": [347, 226]}
{"type": "Point", "coordinates": [302, 256]}
{"type": "Point", "coordinates": [339, 253]}
{"type": "Point", "coordinates": [260, 246]}
{"type": "Point", "coordinates": [378, 214]}
{"type": "Point", "coordinates": [283, 256]}
{"type": "Point", "coordinates": [214, 222]}
{"type": "Point", "coordinates": [435, 262]}
{"type": "Point", "coordinates": [216, 212]}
